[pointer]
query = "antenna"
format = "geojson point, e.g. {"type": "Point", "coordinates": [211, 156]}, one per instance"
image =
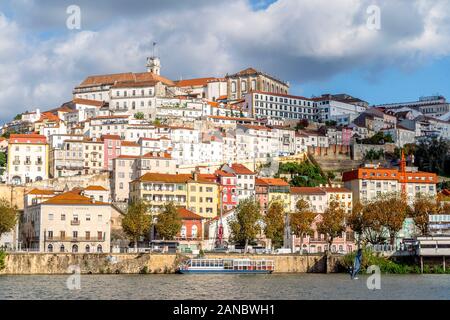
{"type": "Point", "coordinates": [154, 49]}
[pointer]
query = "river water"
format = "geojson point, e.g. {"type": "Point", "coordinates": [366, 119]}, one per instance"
{"type": "Point", "coordinates": [233, 287]}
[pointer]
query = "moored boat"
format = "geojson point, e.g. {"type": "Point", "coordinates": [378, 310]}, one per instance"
{"type": "Point", "coordinates": [226, 266]}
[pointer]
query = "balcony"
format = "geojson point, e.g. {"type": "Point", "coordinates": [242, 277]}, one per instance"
{"type": "Point", "coordinates": [72, 239]}
{"type": "Point", "coordinates": [75, 222]}
{"type": "Point", "coordinates": [27, 163]}
{"type": "Point", "coordinates": [38, 163]}
{"type": "Point", "coordinates": [16, 162]}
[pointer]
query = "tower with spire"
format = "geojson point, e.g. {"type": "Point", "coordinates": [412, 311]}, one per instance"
{"type": "Point", "coordinates": [153, 62]}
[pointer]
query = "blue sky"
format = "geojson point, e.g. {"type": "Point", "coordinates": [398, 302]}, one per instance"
{"type": "Point", "coordinates": [319, 46]}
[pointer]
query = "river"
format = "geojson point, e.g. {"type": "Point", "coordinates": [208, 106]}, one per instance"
{"type": "Point", "coordinates": [233, 287]}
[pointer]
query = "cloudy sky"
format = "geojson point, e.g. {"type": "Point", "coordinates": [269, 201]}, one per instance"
{"type": "Point", "coordinates": [319, 46]}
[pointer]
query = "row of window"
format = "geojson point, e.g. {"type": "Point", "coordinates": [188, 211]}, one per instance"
{"type": "Point", "coordinates": [75, 217]}
{"type": "Point", "coordinates": [133, 93]}
{"type": "Point", "coordinates": [283, 100]}
{"type": "Point", "coordinates": [75, 248]}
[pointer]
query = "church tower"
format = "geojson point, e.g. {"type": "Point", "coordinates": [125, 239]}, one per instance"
{"type": "Point", "coordinates": [154, 63]}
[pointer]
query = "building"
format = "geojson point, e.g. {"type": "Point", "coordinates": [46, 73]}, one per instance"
{"type": "Point", "coordinates": [401, 135]}
{"type": "Point", "coordinates": [269, 190]}
{"type": "Point", "coordinates": [319, 198]}
{"type": "Point", "coordinates": [184, 190]}
{"type": "Point", "coordinates": [69, 222]}
{"type": "Point", "coordinates": [241, 83]}
{"type": "Point", "coordinates": [260, 104]}
{"type": "Point", "coordinates": [333, 108]}
{"type": "Point", "coordinates": [228, 190]}
{"type": "Point", "coordinates": [432, 106]}
{"type": "Point", "coordinates": [245, 180]}
{"type": "Point", "coordinates": [371, 181]}
{"type": "Point", "coordinates": [28, 158]}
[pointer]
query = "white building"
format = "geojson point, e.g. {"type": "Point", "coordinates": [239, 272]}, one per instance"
{"type": "Point", "coordinates": [69, 222]}
{"type": "Point", "coordinates": [28, 158]}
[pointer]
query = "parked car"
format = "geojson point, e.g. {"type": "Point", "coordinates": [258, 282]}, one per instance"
{"type": "Point", "coordinates": [283, 251]}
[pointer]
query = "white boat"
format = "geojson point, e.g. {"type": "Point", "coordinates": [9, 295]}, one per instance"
{"type": "Point", "coordinates": [226, 266]}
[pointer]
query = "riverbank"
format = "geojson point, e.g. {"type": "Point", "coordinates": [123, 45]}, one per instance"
{"type": "Point", "coordinates": [146, 263]}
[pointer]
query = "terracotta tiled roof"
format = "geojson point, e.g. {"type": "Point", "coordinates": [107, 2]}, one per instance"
{"type": "Point", "coordinates": [124, 156]}
{"type": "Point", "coordinates": [73, 198]}
{"type": "Point", "coordinates": [111, 79]}
{"type": "Point", "coordinates": [336, 190]}
{"type": "Point", "coordinates": [111, 137]}
{"type": "Point", "coordinates": [222, 173]}
{"type": "Point", "coordinates": [88, 102]}
{"type": "Point", "coordinates": [157, 155]}
{"type": "Point", "coordinates": [96, 188]}
{"type": "Point", "coordinates": [41, 192]}
{"type": "Point", "coordinates": [130, 144]}
{"type": "Point", "coordinates": [241, 169]}
{"type": "Point", "coordinates": [27, 138]}
{"type": "Point", "coordinates": [188, 215]}
{"type": "Point", "coordinates": [193, 82]}
{"type": "Point", "coordinates": [271, 182]}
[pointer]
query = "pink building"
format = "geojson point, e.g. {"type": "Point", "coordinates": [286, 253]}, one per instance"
{"type": "Point", "coordinates": [227, 182]}
{"type": "Point", "coordinates": [112, 144]}
{"type": "Point", "coordinates": [317, 243]}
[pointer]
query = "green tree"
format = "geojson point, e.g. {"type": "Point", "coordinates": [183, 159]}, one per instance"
{"type": "Point", "coordinates": [245, 225]}
{"type": "Point", "coordinates": [2, 162]}
{"type": "Point", "coordinates": [136, 223]}
{"type": "Point", "coordinates": [392, 212]}
{"type": "Point", "coordinates": [302, 124]}
{"type": "Point", "coordinates": [169, 222]}
{"type": "Point", "coordinates": [157, 122]}
{"type": "Point", "coordinates": [274, 223]}
{"type": "Point", "coordinates": [139, 116]}
{"type": "Point", "coordinates": [333, 222]}
{"type": "Point", "coordinates": [8, 216]}
{"type": "Point", "coordinates": [301, 220]}
{"type": "Point", "coordinates": [432, 155]}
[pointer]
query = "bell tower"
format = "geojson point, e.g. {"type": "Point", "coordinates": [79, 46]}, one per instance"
{"type": "Point", "coordinates": [154, 63]}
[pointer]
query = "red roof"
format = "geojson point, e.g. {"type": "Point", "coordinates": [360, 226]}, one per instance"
{"type": "Point", "coordinates": [188, 215]}
{"type": "Point", "coordinates": [111, 137]}
{"type": "Point", "coordinates": [271, 182]}
{"type": "Point", "coordinates": [28, 138]}
{"type": "Point", "coordinates": [241, 169]}
{"type": "Point", "coordinates": [88, 102]}
{"type": "Point", "coordinates": [193, 82]}
{"type": "Point", "coordinates": [307, 190]}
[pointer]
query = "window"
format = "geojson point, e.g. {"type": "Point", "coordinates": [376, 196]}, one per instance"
{"type": "Point", "coordinates": [99, 248]}
{"type": "Point", "coordinates": [50, 216]}
{"type": "Point", "coordinates": [50, 235]}
{"type": "Point", "coordinates": [100, 217]}
{"type": "Point", "coordinates": [62, 248]}
{"type": "Point", "coordinates": [75, 234]}
{"type": "Point", "coordinates": [233, 87]}
{"type": "Point", "coordinates": [100, 235]}
{"type": "Point", "coordinates": [88, 235]}
{"type": "Point", "coordinates": [50, 248]}
{"type": "Point", "coordinates": [88, 248]}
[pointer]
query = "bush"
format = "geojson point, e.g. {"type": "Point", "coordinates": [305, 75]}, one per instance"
{"type": "Point", "coordinates": [2, 260]}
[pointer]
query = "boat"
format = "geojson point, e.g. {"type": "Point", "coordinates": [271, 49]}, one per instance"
{"type": "Point", "coordinates": [203, 265]}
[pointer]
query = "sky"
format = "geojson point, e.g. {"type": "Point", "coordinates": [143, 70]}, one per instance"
{"type": "Point", "coordinates": [318, 46]}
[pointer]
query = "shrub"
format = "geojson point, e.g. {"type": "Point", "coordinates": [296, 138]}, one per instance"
{"type": "Point", "coordinates": [2, 260]}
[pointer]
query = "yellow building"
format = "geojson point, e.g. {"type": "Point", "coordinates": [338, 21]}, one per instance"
{"type": "Point", "coordinates": [185, 190]}
{"type": "Point", "coordinates": [269, 190]}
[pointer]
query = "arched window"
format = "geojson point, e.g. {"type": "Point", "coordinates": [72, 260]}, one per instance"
{"type": "Point", "coordinates": [88, 248]}
{"type": "Point", "coordinates": [183, 231]}
{"type": "Point", "coordinates": [194, 231]}
{"type": "Point", "coordinates": [74, 248]}
{"type": "Point", "coordinates": [273, 87]}
{"type": "Point", "coordinates": [62, 248]}
{"type": "Point", "coordinates": [225, 198]}
{"type": "Point", "coordinates": [99, 248]}
{"type": "Point", "coordinates": [50, 248]}
{"type": "Point", "coordinates": [253, 85]}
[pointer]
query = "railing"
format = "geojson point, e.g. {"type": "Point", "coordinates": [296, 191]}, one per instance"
{"type": "Point", "coordinates": [16, 162]}
{"type": "Point", "coordinates": [75, 222]}
{"type": "Point", "coordinates": [39, 163]}
{"type": "Point", "coordinates": [75, 239]}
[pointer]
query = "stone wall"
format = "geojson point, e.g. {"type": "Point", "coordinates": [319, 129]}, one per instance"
{"type": "Point", "coordinates": [358, 150]}
{"type": "Point", "coordinates": [44, 263]}
{"type": "Point", "coordinates": [73, 182]}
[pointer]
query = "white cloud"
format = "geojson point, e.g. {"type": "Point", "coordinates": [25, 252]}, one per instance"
{"type": "Point", "coordinates": [295, 40]}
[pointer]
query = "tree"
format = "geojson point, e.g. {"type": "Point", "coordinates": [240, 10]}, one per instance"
{"type": "Point", "coordinates": [357, 222]}
{"type": "Point", "coordinates": [169, 222]}
{"type": "Point", "coordinates": [422, 208]}
{"type": "Point", "coordinates": [301, 220]}
{"type": "Point", "coordinates": [392, 211]}
{"type": "Point", "coordinates": [245, 225]}
{"type": "Point", "coordinates": [157, 122]}
{"type": "Point", "coordinates": [137, 222]}
{"type": "Point", "coordinates": [333, 222]}
{"type": "Point", "coordinates": [274, 223]}
{"type": "Point", "coordinates": [373, 231]}
{"type": "Point", "coordinates": [8, 216]}
{"type": "Point", "coordinates": [2, 162]}
{"type": "Point", "coordinates": [302, 124]}
{"type": "Point", "coordinates": [432, 155]}
{"type": "Point", "coordinates": [139, 116]}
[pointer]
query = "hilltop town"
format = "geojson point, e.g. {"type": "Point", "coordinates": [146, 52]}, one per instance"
{"type": "Point", "coordinates": [200, 151]}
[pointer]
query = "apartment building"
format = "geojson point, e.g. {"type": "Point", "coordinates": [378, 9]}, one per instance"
{"type": "Point", "coordinates": [245, 180]}
{"type": "Point", "coordinates": [185, 190]}
{"type": "Point", "coordinates": [319, 198]}
{"type": "Point", "coordinates": [371, 181]}
{"type": "Point", "coordinates": [261, 104]}
{"type": "Point", "coordinates": [269, 190]}
{"type": "Point", "coordinates": [69, 222]}
{"type": "Point", "coordinates": [28, 158]}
